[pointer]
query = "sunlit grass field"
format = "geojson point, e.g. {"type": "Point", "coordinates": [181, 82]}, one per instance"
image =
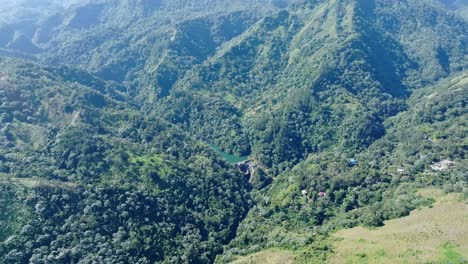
{"type": "Point", "coordinates": [435, 234]}
{"type": "Point", "coordinates": [438, 234]}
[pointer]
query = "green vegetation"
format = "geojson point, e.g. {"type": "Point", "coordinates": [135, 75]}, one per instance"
{"type": "Point", "coordinates": [120, 121]}
{"type": "Point", "coordinates": [267, 257]}
{"type": "Point", "coordinates": [144, 188]}
{"type": "Point", "coordinates": [421, 237]}
{"type": "Point", "coordinates": [451, 255]}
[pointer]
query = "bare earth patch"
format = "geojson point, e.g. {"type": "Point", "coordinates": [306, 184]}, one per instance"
{"type": "Point", "coordinates": [436, 235]}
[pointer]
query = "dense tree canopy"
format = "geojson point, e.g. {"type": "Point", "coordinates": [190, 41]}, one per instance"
{"type": "Point", "coordinates": [113, 115]}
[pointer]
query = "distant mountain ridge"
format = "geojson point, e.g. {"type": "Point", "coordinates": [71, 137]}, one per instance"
{"type": "Point", "coordinates": [112, 112]}
{"type": "Point", "coordinates": [289, 61]}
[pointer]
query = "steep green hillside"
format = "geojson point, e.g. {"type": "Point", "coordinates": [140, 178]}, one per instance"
{"type": "Point", "coordinates": [136, 188]}
{"type": "Point", "coordinates": [381, 186]}
{"type": "Point", "coordinates": [118, 124]}
{"type": "Point", "coordinates": [315, 77]}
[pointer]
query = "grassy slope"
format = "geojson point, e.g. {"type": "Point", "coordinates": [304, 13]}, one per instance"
{"type": "Point", "coordinates": [270, 256]}
{"type": "Point", "coordinates": [432, 234]}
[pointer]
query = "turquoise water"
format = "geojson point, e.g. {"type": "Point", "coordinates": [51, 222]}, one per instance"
{"type": "Point", "coordinates": [229, 157]}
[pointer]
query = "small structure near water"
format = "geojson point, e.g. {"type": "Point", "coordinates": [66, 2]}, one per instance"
{"type": "Point", "coordinates": [247, 167]}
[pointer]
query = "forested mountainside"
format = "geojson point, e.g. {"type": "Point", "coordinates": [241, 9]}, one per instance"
{"type": "Point", "coordinates": [317, 77]}
{"type": "Point", "coordinates": [113, 115]}
{"type": "Point", "coordinates": [97, 181]}
{"type": "Point", "coordinates": [424, 145]}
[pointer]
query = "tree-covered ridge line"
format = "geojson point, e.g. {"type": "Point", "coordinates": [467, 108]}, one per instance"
{"type": "Point", "coordinates": [319, 59]}
{"type": "Point", "coordinates": [345, 108]}
{"type": "Point", "coordinates": [118, 39]}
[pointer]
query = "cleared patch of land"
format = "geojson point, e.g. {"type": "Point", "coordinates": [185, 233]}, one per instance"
{"type": "Point", "coordinates": [35, 182]}
{"type": "Point", "coordinates": [438, 234]}
{"type": "Point", "coordinates": [267, 257]}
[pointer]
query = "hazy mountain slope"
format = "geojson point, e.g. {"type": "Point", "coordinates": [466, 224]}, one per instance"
{"type": "Point", "coordinates": [116, 38]}
{"type": "Point", "coordinates": [432, 36]}
{"type": "Point", "coordinates": [97, 181]}
{"type": "Point", "coordinates": [460, 7]}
